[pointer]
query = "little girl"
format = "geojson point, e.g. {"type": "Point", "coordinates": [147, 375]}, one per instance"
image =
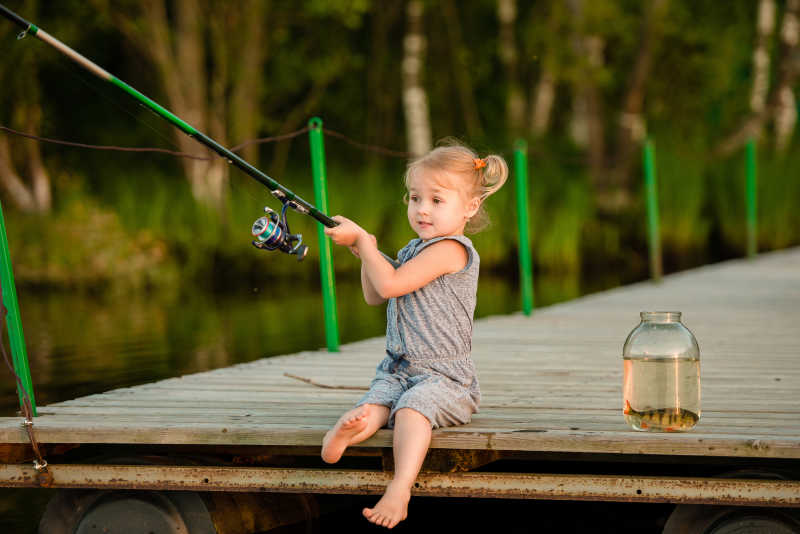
{"type": "Point", "coordinates": [427, 378]}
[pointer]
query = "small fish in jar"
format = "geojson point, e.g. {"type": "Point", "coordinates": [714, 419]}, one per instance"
{"type": "Point", "coordinates": [666, 419]}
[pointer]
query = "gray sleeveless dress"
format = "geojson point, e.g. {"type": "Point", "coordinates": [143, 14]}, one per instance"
{"type": "Point", "coordinates": [428, 366]}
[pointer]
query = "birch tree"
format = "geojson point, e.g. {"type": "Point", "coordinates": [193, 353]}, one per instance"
{"type": "Point", "coordinates": [780, 102]}
{"type": "Point", "coordinates": [415, 98]}
{"type": "Point", "coordinates": [765, 26]}
{"type": "Point", "coordinates": [785, 103]}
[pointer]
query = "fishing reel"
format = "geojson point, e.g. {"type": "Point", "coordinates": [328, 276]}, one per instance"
{"type": "Point", "coordinates": [272, 232]}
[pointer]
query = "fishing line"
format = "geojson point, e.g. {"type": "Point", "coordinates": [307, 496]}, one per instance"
{"type": "Point", "coordinates": [100, 147]}
{"type": "Point", "coordinates": [368, 148]}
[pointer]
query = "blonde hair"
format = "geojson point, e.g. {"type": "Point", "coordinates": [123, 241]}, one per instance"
{"type": "Point", "coordinates": [482, 177]}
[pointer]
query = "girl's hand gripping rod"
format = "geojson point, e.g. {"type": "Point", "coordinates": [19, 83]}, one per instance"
{"type": "Point", "coordinates": [272, 231]}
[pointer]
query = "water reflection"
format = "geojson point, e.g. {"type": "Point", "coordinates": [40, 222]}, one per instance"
{"type": "Point", "coordinates": [81, 344]}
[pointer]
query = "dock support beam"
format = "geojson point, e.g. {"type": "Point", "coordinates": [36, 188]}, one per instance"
{"type": "Point", "coordinates": [587, 487]}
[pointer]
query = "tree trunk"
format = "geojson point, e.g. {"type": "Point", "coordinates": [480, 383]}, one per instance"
{"type": "Point", "coordinates": [27, 116]}
{"type": "Point", "coordinates": [217, 112]}
{"type": "Point", "coordinates": [594, 46]}
{"type": "Point", "coordinates": [515, 101]}
{"type": "Point", "coordinates": [765, 25]}
{"type": "Point", "coordinates": [586, 124]}
{"type": "Point", "coordinates": [780, 102]}
{"type": "Point", "coordinates": [415, 99]}
{"type": "Point", "coordinates": [632, 129]}
{"type": "Point", "coordinates": [252, 49]}
{"type": "Point", "coordinates": [578, 122]}
{"type": "Point", "coordinates": [12, 183]}
{"type": "Point", "coordinates": [178, 54]}
{"type": "Point", "coordinates": [785, 105]}
{"type": "Point", "coordinates": [212, 83]}
{"type": "Point", "coordinates": [543, 93]}
{"type": "Point", "coordinates": [40, 178]}
{"type": "Point", "coordinates": [543, 98]}
{"type": "Point", "coordinates": [382, 79]}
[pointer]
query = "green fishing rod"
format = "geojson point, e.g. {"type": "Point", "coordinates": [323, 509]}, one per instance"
{"type": "Point", "coordinates": [271, 231]}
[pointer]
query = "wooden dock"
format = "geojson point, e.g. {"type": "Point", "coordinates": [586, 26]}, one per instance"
{"type": "Point", "coordinates": [552, 390]}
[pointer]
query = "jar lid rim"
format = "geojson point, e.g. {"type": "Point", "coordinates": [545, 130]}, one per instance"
{"type": "Point", "coordinates": [660, 315]}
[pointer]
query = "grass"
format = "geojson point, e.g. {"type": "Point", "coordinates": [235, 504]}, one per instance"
{"type": "Point", "coordinates": [682, 193]}
{"type": "Point", "coordinates": [778, 196]}
{"type": "Point", "coordinates": [778, 199]}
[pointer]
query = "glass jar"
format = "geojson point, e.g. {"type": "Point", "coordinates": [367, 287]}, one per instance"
{"type": "Point", "coordinates": [661, 375]}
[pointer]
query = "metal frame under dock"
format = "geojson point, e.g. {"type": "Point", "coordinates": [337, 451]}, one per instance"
{"type": "Point", "coordinates": [550, 425]}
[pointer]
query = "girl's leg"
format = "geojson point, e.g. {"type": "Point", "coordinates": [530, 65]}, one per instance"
{"type": "Point", "coordinates": [353, 427]}
{"type": "Point", "coordinates": [412, 436]}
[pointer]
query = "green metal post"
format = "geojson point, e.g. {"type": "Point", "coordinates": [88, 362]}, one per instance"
{"type": "Point", "coordinates": [16, 339]}
{"type": "Point", "coordinates": [521, 183]}
{"type": "Point", "coordinates": [325, 255]}
{"type": "Point", "coordinates": [752, 199]}
{"type": "Point", "coordinates": [651, 192]}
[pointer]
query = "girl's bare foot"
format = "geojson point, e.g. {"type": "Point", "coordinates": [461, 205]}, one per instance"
{"type": "Point", "coordinates": [338, 438]}
{"type": "Point", "coordinates": [392, 508]}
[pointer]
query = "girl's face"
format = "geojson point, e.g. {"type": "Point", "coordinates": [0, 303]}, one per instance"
{"type": "Point", "coordinates": [435, 209]}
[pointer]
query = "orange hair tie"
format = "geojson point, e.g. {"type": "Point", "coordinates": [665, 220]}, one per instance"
{"type": "Point", "coordinates": [479, 163]}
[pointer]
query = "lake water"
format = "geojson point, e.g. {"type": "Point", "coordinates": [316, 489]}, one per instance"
{"type": "Point", "coordinates": [82, 344]}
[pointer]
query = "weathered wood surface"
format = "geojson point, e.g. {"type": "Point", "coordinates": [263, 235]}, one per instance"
{"type": "Point", "coordinates": [550, 382]}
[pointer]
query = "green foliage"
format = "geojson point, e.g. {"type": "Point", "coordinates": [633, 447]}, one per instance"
{"type": "Point", "coordinates": [777, 196]}
{"type": "Point", "coordinates": [86, 246]}
{"type": "Point", "coordinates": [349, 12]}
{"type": "Point", "coordinates": [560, 206]}
{"type": "Point", "coordinates": [681, 175]}
{"type": "Point", "coordinates": [701, 79]}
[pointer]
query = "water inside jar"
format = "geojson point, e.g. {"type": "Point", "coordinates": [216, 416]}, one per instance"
{"type": "Point", "coordinates": [661, 395]}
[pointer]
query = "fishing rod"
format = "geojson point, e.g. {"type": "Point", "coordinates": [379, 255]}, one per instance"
{"type": "Point", "coordinates": [271, 231]}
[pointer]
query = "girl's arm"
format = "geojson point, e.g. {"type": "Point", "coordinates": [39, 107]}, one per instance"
{"type": "Point", "coordinates": [446, 256]}
{"type": "Point", "coordinates": [346, 234]}
{"type": "Point", "coordinates": [371, 296]}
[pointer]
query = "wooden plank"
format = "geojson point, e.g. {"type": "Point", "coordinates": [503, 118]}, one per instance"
{"type": "Point", "coordinates": [753, 445]}
{"type": "Point", "coordinates": [785, 419]}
